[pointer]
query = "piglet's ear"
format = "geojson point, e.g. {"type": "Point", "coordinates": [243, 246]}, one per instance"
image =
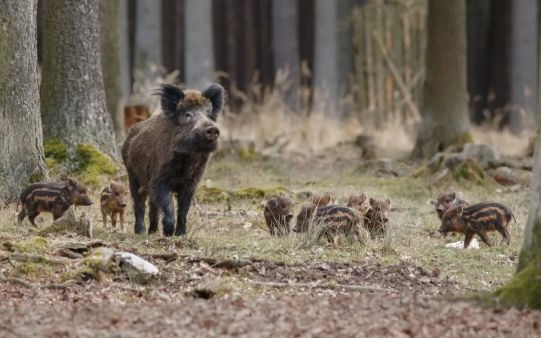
{"type": "Point", "coordinates": [460, 210]}
{"type": "Point", "coordinates": [170, 97]}
{"type": "Point", "coordinates": [453, 196]}
{"type": "Point", "coordinates": [216, 95]}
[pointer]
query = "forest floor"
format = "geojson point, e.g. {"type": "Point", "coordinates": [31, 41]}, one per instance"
{"type": "Point", "coordinates": [229, 277]}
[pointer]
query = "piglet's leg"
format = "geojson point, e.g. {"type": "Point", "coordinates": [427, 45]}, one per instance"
{"type": "Point", "coordinates": [484, 237]}
{"type": "Point", "coordinates": [121, 216]}
{"type": "Point", "coordinates": [184, 200]}
{"type": "Point", "coordinates": [467, 239]}
{"type": "Point", "coordinates": [113, 219]}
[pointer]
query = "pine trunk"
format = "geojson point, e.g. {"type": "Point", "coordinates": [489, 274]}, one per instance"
{"type": "Point", "coordinates": [285, 47]}
{"type": "Point", "coordinates": [21, 143]}
{"type": "Point", "coordinates": [445, 112]}
{"type": "Point", "coordinates": [110, 59]}
{"type": "Point", "coordinates": [199, 57]}
{"type": "Point", "coordinates": [72, 93]}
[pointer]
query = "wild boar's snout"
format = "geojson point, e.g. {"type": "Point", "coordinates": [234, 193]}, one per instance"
{"type": "Point", "coordinates": [212, 133]}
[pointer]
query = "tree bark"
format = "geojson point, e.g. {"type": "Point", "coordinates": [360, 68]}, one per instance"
{"type": "Point", "coordinates": [445, 120]}
{"type": "Point", "coordinates": [125, 49]}
{"type": "Point", "coordinates": [199, 56]}
{"type": "Point", "coordinates": [21, 143]}
{"type": "Point", "coordinates": [148, 41]}
{"type": "Point", "coordinates": [110, 59]}
{"type": "Point", "coordinates": [72, 94]}
{"type": "Point", "coordinates": [525, 289]}
{"type": "Point", "coordinates": [332, 55]}
{"type": "Point", "coordinates": [173, 36]}
{"type": "Point", "coordinates": [523, 65]}
{"type": "Point", "coordinates": [285, 46]}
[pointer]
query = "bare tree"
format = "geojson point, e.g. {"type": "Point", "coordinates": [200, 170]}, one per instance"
{"type": "Point", "coordinates": [199, 51]}
{"type": "Point", "coordinates": [285, 47]}
{"type": "Point", "coordinates": [148, 41]}
{"type": "Point", "coordinates": [110, 59]}
{"type": "Point", "coordinates": [21, 149]}
{"type": "Point", "coordinates": [445, 112]}
{"type": "Point", "coordinates": [72, 95]}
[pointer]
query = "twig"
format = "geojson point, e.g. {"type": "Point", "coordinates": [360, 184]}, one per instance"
{"type": "Point", "coordinates": [346, 287]}
{"type": "Point", "coordinates": [20, 257]}
{"type": "Point", "coordinates": [17, 281]}
{"type": "Point", "coordinates": [398, 79]}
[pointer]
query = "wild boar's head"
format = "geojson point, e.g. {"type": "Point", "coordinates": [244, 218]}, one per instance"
{"type": "Point", "coordinates": [194, 113]}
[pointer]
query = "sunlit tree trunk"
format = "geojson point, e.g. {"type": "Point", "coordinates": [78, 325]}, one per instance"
{"type": "Point", "coordinates": [21, 149]}
{"type": "Point", "coordinates": [72, 94]}
{"type": "Point", "coordinates": [285, 47]}
{"type": "Point", "coordinates": [199, 54]}
{"type": "Point", "coordinates": [445, 120]}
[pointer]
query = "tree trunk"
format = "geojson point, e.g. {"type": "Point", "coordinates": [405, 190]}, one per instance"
{"type": "Point", "coordinates": [523, 65]}
{"type": "Point", "coordinates": [173, 36]}
{"type": "Point", "coordinates": [199, 57]}
{"type": "Point", "coordinates": [125, 49]}
{"type": "Point", "coordinates": [445, 112]}
{"type": "Point", "coordinates": [525, 287]}
{"type": "Point", "coordinates": [21, 143]}
{"type": "Point", "coordinates": [110, 59]}
{"type": "Point", "coordinates": [72, 95]}
{"type": "Point", "coordinates": [478, 24]}
{"type": "Point", "coordinates": [286, 51]}
{"type": "Point", "coordinates": [148, 41]}
{"type": "Point", "coordinates": [332, 55]}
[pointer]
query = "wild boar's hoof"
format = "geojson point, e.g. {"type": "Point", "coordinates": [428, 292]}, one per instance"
{"type": "Point", "coordinates": [212, 133]}
{"type": "Point", "coordinates": [140, 229]}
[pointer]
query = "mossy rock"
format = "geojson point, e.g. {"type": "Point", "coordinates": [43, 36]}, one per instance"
{"type": "Point", "coordinates": [31, 269]}
{"type": "Point", "coordinates": [32, 245]}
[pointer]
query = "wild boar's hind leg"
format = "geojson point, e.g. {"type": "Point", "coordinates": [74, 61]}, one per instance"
{"type": "Point", "coordinates": [184, 199]}
{"type": "Point", "coordinates": [138, 204]}
{"type": "Point", "coordinates": [467, 239]}
{"type": "Point", "coordinates": [484, 237]}
{"type": "Point", "coordinates": [21, 215]}
{"type": "Point", "coordinates": [153, 214]}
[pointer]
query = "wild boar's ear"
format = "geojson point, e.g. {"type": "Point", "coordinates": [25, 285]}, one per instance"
{"type": "Point", "coordinates": [170, 97]}
{"type": "Point", "coordinates": [216, 94]}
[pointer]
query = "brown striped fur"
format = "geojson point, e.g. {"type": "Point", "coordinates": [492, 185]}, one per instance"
{"type": "Point", "coordinates": [113, 202]}
{"type": "Point", "coordinates": [376, 218]}
{"type": "Point", "coordinates": [478, 219]}
{"type": "Point", "coordinates": [446, 200]}
{"type": "Point", "coordinates": [55, 198]}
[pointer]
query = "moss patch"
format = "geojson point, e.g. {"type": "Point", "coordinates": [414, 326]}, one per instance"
{"type": "Point", "coordinates": [207, 194]}
{"type": "Point", "coordinates": [33, 245]}
{"type": "Point", "coordinates": [524, 289]}
{"type": "Point", "coordinates": [84, 161]}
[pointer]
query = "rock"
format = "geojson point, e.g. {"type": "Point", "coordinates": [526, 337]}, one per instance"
{"type": "Point", "coordinates": [509, 176]}
{"type": "Point", "coordinates": [474, 244]}
{"type": "Point", "coordinates": [481, 153]}
{"type": "Point", "coordinates": [136, 267]}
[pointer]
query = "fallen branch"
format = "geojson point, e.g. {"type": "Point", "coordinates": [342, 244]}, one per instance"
{"type": "Point", "coordinates": [167, 256]}
{"type": "Point", "coordinates": [20, 257]}
{"type": "Point", "coordinates": [17, 281]}
{"type": "Point", "coordinates": [280, 285]}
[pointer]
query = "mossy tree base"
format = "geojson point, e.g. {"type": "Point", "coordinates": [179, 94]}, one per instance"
{"type": "Point", "coordinates": [524, 289]}
{"type": "Point", "coordinates": [430, 144]}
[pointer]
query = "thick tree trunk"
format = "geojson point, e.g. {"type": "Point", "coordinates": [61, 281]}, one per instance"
{"type": "Point", "coordinates": [199, 57]}
{"type": "Point", "coordinates": [72, 95]}
{"type": "Point", "coordinates": [445, 111]}
{"type": "Point", "coordinates": [110, 59]}
{"type": "Point", "coordinates": [125, 49]}
{"type": "Point", "coordinates": [148, 41]}
{"type": "Point", "coordinates": [173, 36]}
{"type": "Point", "coordinates": [285, 46]}
{"type": "Point", "coordinates": [21, 143]}
{"type": "Point", "coordinates": [525, 287]}
{"type": "Point", "coordinates": [523, 63]}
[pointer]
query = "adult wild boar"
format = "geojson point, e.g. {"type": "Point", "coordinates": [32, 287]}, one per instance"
{"type": "Point", "coordinates": [168, 154]}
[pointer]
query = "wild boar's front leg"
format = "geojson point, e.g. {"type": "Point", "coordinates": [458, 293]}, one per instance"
{"type": "Point", "coordinates": [138, 204]}
{"type": "Point", "coordinates": [184, 200]}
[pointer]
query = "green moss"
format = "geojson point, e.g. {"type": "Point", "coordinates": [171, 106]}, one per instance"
{"type": "Point", "coordinates": [83, 272]}
{"type": "Point", "coordinates": [55, 149]}
{"type": "Point", "coordinates": [36, 176]}
{"type": "Point", "coordinates": [212, 194]}
{"type": "Point", "coordinates": [524, 289]}
{"type": "Point", "coordinates": [33, 245]}
{"type": "Point", "coordinates": [470, 171]}
{"type": "Point", "coordinates": [30, 269]}
{"type": "Point", "coordinates": [91, 164]}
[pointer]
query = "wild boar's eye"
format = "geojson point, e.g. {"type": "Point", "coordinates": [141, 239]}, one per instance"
{"type": "Point", "coordinates": [188, 114]}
